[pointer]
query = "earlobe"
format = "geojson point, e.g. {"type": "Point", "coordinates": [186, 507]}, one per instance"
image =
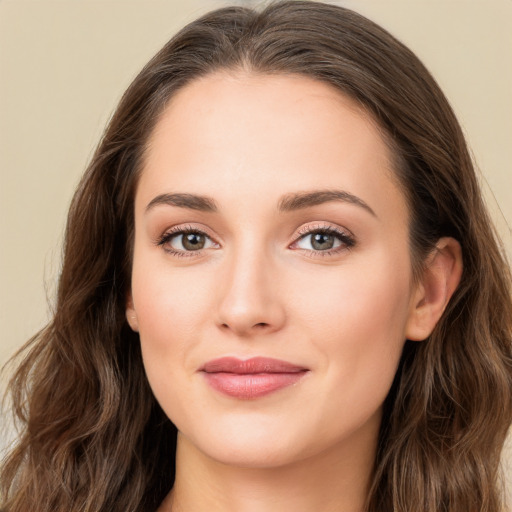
{"type": "Point", "coordinates": [131, 315]}
{"type": "Point", "coordinates": [442, 274]}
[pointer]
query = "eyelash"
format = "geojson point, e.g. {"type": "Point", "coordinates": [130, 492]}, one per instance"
{"type": "Point", "coordinates": [346, 239]}
{"type": "Point", "coordinates": [179, 230]}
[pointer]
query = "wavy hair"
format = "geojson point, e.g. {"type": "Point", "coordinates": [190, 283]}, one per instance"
{"type": "Point", "coordinates": [93, 437]}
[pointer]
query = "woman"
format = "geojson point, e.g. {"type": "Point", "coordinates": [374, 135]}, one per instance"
{"type": "Point", "coordinates": [280, 289]}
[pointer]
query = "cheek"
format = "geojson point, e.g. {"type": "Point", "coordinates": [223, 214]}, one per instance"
{"type": "Point", "coordinates": [170, 307]}
{"type": "Point", "coordinates": [370, 296]}
{"type": "Point", "coordinates": [357, 321]}
{"type": "Point", "coordinates": [168, 301]}
{"type": "Point", "coordinates": [169, 311]}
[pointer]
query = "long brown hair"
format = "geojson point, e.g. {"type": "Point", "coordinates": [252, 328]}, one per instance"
{"type": "Point", "coordinates": [93, 436]}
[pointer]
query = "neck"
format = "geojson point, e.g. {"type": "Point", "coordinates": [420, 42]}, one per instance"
{"type": "Point", "coordinates": [334, 480]}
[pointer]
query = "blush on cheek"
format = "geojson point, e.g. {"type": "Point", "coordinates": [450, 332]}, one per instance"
{"type": "Point", "coordinates": [368, 332]}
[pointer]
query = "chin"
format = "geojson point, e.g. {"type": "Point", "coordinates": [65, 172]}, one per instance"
{"type": "Point", "coordinates": [249, 446]}
{"type": "Point", "coordinates": [256, 456]}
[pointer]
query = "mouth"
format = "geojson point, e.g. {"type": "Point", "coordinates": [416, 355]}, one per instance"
{"type": "Point", "coordinates": [251, 378]}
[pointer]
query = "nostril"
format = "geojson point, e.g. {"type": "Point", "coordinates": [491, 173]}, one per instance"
{"type": "Point", "coordinates": [260, 325]}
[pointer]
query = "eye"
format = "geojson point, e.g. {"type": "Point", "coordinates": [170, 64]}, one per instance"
{"type": "Point", "coordinates": [326, 240]}
{"type": "Point", "coordinates": [181, 240]}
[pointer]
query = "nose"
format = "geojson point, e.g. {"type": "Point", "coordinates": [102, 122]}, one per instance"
{"type": "Point", "coordinates": [250, 302]}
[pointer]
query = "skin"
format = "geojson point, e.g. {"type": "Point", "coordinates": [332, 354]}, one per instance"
{"type": "Point", "coordinates": [259, 287]}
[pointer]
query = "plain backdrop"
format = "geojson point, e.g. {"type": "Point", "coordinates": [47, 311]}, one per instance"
{"type": "Point", "coordinates": [64, 65]}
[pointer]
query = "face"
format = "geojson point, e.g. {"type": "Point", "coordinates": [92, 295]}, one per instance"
{"type": "Point", "coordinates": [269, 224]}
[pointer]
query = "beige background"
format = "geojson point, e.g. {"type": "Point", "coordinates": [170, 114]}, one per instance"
{"type": "Point", "coordinates": [64, 65]}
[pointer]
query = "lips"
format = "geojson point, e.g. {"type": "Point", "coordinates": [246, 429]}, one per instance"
{"type": "Point", "coordinates": [251, 378]}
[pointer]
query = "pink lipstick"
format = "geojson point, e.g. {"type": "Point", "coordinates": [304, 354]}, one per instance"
{"type": "Point", "coordinates": [251, 378]}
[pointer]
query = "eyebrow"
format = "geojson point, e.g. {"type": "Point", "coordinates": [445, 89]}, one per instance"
{"type": "Point", "coordinates": [288, 203]}
{"type": "Point", "coordinates": [300, 200]}
{"type": "Point", "coordinates": [190, 201]}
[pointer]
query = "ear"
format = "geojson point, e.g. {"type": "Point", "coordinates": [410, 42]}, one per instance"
{"type": "Point", "coordinates": [131, 315]}
{"type": "Point", "coordinates": [441, 276]}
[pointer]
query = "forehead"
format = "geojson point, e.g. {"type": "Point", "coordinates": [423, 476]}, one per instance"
{"type": "Point", "coordinates": [254, 133]}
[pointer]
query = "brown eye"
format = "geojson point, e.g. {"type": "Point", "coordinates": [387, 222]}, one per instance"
{"type": "Point", "coordinates": [322, 241]}
{"type": "Point", "coordinates": [181, 242]}
{"type": "Point", "coordinates": [192, 241]}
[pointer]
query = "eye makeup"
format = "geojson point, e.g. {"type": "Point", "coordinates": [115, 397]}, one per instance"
{"type": "Point", "coordinates": [193, 241]}
{"type": "Point", "coordinates": [324, 240]}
